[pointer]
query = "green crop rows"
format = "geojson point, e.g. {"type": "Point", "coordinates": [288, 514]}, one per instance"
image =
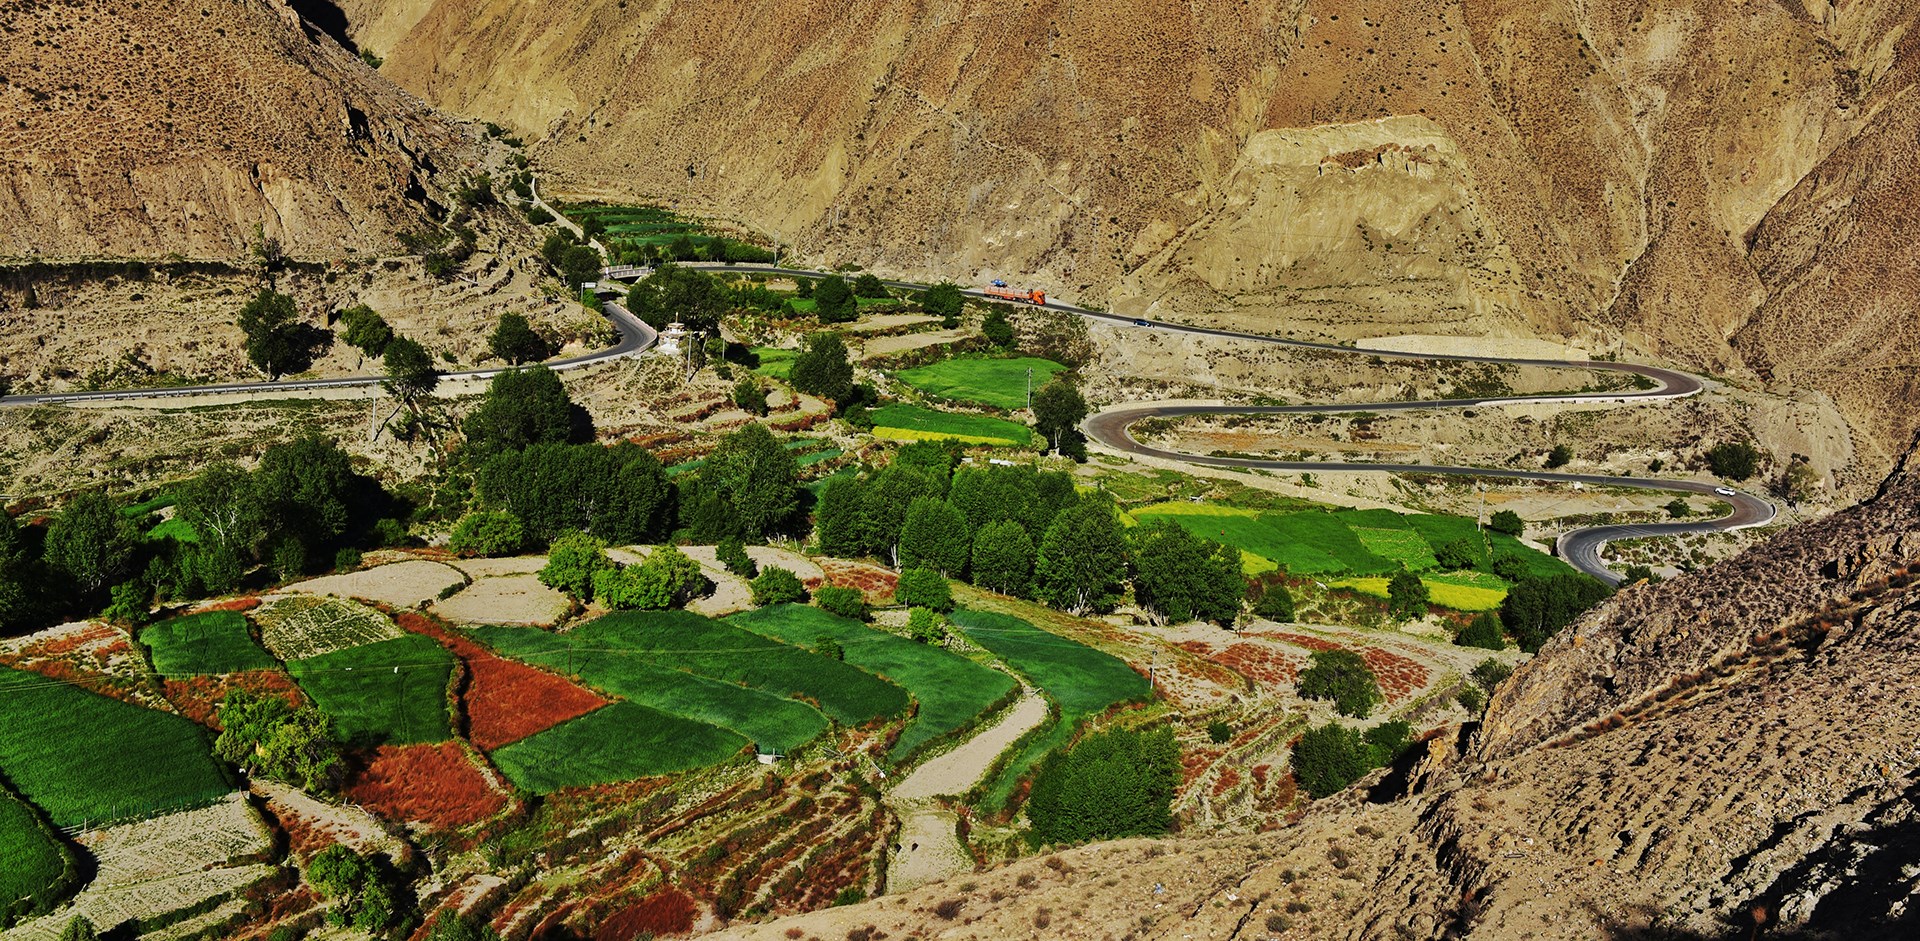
{"type": "Point", "coordinates": [33, 862]}
{"type": "Point", "coordinates": [913, 422]}
{"type": "Point", "coordinates": [391, 692]}
{"type": "Point", "coordinates": [1001, 382]}
{"type": "Point", "coordinates": [214, 642]}
{"type": "Point", "coordinates": [951, 689]}
{"type": "Point", "coordinates": [85, 758]}
{"type": "Point", "coordinates": [775, 363]}
{"type": "Point", "coordinates": [618, 742]}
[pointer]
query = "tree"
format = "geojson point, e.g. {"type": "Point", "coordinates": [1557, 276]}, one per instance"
{"type": "Point", "coordinates": [1406, 596]}
{"type": "Point", "coordinates": [926, 626]}
{"type": "Point", "coordinates": [21, 577]}
{"type": "Point", "coordinates": [277, 342]}
{"type": "Point", "coordinates": [834, 301]}
{"type": "Point", "coordinates": [674, 293]}
{"type": "Point", "coordinates": [410, 370]}
{"type": "Point", "coordinates": [935, 459]}
{"type": "Point", "coordinates": [837, 516]}
{"type": "Point", "coordinates": [278, 741]}
{"type": "Point", "coordinates": [845, 602]}
{"type": "Point", "coordinates": [1490, 673]}
{"type": "Point", "coordinates": [943, 300]}
{"type": "Point", "coordinates": [514, 340]}
{"type": "Point", "coordinates": [1467, 552]}
{"type": "Point", "coordinates": [1485, 632]}
{"type": "Point", "coordinates": [775, 585]}
{"type": "Point", "coordinates": [1328, 758]}
{"type": "Point", "coordinates": [311, 498]}
{"type": "Point", "coordinates": [885, 500]}
{"type": "Point", "coordinates": [1111, 784]}
{"type": "Point", "coordinates": [365, 330]}
{"type": "Point", "coordinates": [524, 407]}
{"type": "Point", "coordinates": [1507, 522]}
{"type": "Point", "coordinates": [1560, 456]}
{"type": "Point", "coordinates": [364, 891]}
{"type": "Point", "coordinates": [935, 536]}
{"type": "Point", "coordinates": [1275, 604]}
{"type": "Point", "coordinates": [1082, 559]}
{"type": "Point", "coordinates": [1537, 608]}
{"type": "Point", "coordinates": [923, 588]}
{"type": "Point", "coordinates": [1058, 409]}
{"type": "Point", "coordinates": [1179, 577]}
{"type": "Point", "coordinates": [668, 578]}
{"type": "Point", "coordinates": [573, 562]}
{"type": "Point", "coordinates": [996, 329]}
{"type": "Point", "coordinates": [732, 554]}
{"type": "Point", "coordinates": [579, 265]}
{"type": "Point", "coordinates": [759, 478]}
{"type": "Point", "coordinates": [1733, 460]}
{"type": "Point", "coordinates": [1003, 558]}
{"type": "Point", "coordinates": [1679, 508]}
{"type": "Point", "coordinates": [487, 533]}
{"type": "Point", "coordinates": [79, 929]}
{"type": "Point", "coordinates": [868, 285]}
{"type": "Point", "coordinates": [452, 926]}
{"type": "Point", "coordinates": [750, 396]}
{"type": "Point", "coordinates": [91, 543]}
{"type": "Point", "coordinates": [222, 506]}
{"type": "Point", "coordinates": [823, 369]}
{"type": "Point", "coordinates": [1341, 676]}
{"type": "Point", "coordinates": [618, 493]}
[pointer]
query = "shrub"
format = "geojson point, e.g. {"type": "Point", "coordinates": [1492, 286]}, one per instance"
{"type": "Point", "coordinates": [1471, 698]}
{"type": "Point", "coordinates": [1328, 758]}
{"type": "Point", "coordinates": [1343, 677]}
{"type": "Point", "coordinates": [1407, 597]}
{"type": "Point", "coordinates": [1507, 522]}
{"type": "Point", "coordinates": [1733, 460]}
{"type": "Point", "coordinates": [868, 285]}
{"type": "Point", "coordinates": [487, 533]}
{"type": "Point", "coordinates": [347, 559]}
{"type": "Point", "coordinates": [1463, 553]}
{"type": "Point", "coordinates": [775, 585]}
{"type": "Point", "coordinates": [1275, 604]}
{"type": "Point", "coordinates": [297, 746]}
{"type": "Point", "coordinates": [996, 328]}
{"type": "Point", "coordinates": [572, 562]}
{"type": "Point", "coordinates": [749, 395]}
{"type": "Point", "coordinates": [1679, 508]}
{"type": "Point", "coordinates": [1484, 632]}
{"type": "Point", "coordinates": [667, 579]}
{"type": "Point", "coordinates": [949, 909]}
{"type": "Point", "coordinates": [1110, 784]}
{"type": "Point", "coordinates": [1560, 456]}
{"type": "Point", "coordinates": [845, 602]}
{"type": "Point", "coordinates": [1387, 741]}
{"type": "Point", "coordinates": [1537, 608]}
{"type": "Point", "coordinates": [923, 588]}
{"type": "Point", "coordinates": [732, 554]}
{"type": "Point", "coordinates": [1219, 732]}
{"type": "Point", "coordinates": [1491, 673]}
{"type": "Point", "coordinates": [1638, 573]}
{"type": "Point", "coordinates": [926, 627]}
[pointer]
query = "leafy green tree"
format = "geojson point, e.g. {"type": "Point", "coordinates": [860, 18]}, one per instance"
{"type": "Point", "coordinates": [1343, 677]}
{"type": "Point", "coordinates": [410, 370]}
{"type": "Point", "coordinates": [1082, 559]}
{"type": "Point", "coordinates": [823, 369]}
{"type": "Point", "coordinates": [524, 407]}
{"type": "Point", "coordinates": [733, 554]}
{"type": "Point", "coordinates": [1537, 608]}
{"type": "Point", "coordinates": [1179, 577]}
{"type": "Point", "coordinates": [79, 929]}
{"type": "Point", "coordinates": [275, 740]}
{"type": "Point", "coordinates": [837, 516]}
{"type": "Point", "coordinates": [1058, 409]}
{"type": "Point", "coordinates": [845, 602]}
{"type": "Point", "coordinates": [936, 459]}
{"type": "Point", "coordinates": [1507, 522]}
{"type": "Point", "coordinates": [943, 300]}
{"type": "Point", "coordinates": [759, 478]}
{"type": "Point", "coordinates": [223, 507]}
{"type": "Point", "coordinates": [91, 544]}
{"type": "Point", "coordinates": [1275, 604]}
{"type": "Point", "coordinates": [1560, 456]}
{"type": "Point", "coordinates": [573, 562]}
{"type": "Point", "coordinates": [365, 330]}
{"type": "Point", "coordinates": [1679, 508]}
{"type": "Point", "coordinates": [514, 340]}
{"type": "Point", "coordinates": [996, 329]}
{"type": "Point", "coordinates": [1406, 596]}
{"type": "Point", "coordinates": [130, 603]}
{"type": "Point", "coordinates": [750, 396]}
{"type": "Point", "coordinates": [277, 342]}
{"type": "Point", "coordinates": [1111, 784]}
{"type": "Point", "coordinates": [668, 578]}
{"type": "Point", "coordinates": [688, 295]}
{"type": "Point", "coordinates": [834, 301]}
{"type": "Point", "coordinates": [923, 588]}
{"type": "Point", "coordinates": [487, 533]}
{"type": "Point", "coordinates": [619, 493]}
{"type": "Point", "coordinates": [364, 892]}
{"type": "Point", "coordinates": [1490, 673]}
{"type": "Point", "coordinates": [20, 577]}
{"type": "Point", "coordinates": [886, 499]}
{"type": "Point", "coordinates": [579, 264]}
{"type": "Point", "coordinates": [935, 536]}
{"type": "Point", "coordinates": [1484, 632]}
{"type": "Point", "coordinates": [868, 285]}
{"type": "Point", "coordinates": [926, 626]}
{"type": "Point", "coordinates": [1327, 758]}
{"type": "Point", "coordinates": [1003, 558]}
{"type": "Point", "coordinates": [1387, 741]}
{"type": "Point", "coordinates": [1511, 567]}
{"type": "Point", "coordinates": [452, 926]}
{"type": "Point", "coordinates": [1467, 552]}
{"type": "Point", "coordinates": [1734, 460]}
{"type": "Point", "coordinates": [775, 585]}
{"type": "Point", "coordinates": [311, 498]}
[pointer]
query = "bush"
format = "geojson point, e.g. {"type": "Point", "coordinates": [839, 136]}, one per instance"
{"type": "Point", "coordinates": [775, 585]}
{"type": "Point", "coordinates": [1507, 522]}
{"type": "Point", "coordinates": [926, 626]}
{"type": "Point", "coordinates": [868, 285]}
{"type": "Point", "coordinates": [923, 588]}
{"type": "Point", "coordinates": [732, 554]}
{"type": "Point", "coordinates": [1560, 456]}
{"type": "Point", "coordinates": [996, 328]}
{"type": "Point", "coordinates": [487, 533]}
{"type": "Point", "coordinates": [1484, 632]}
{"type": "Point", "coordinates": [1219, 732]}
{"type": "Point", "coordinates": [1471, 698]}
{"type": "Point", "coordinates": [1491, 673]}
{"type": "Point", "coordinates": [1679, 508]}
{"type": "Point", "coordinates": [1275, 604]}
{"type": "Point", "coordinates": [1463, 553]}
{"type": "Point", "coordinates": [347, 559]}
{"type": "Point", "coordinates": [1733, 460]}
{"type": "Point", "coordinates": [1343, 677]}
{"type": "Point", "coordinates": [1537, 608]}
{"type": "Point", "coordinates": [668, 578]}
{"type": "Point", "coordinates": [845, 602]}
{"type": "Point", "coordinates": [1406, 597]}
{"type": "Point", "coordinates": [749, 395]}
{"type": "Point", "coordinates": [1111, 784]}
{"type": "Point", "coordinates": [1387, 741]}
{"type": "Point", "coordinates": [1328, 758]}
{"type": "Point", "coordinates": [572, 563]}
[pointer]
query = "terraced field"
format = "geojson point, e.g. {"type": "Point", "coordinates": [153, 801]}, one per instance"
{"type": "Point", "coordinates": [913, 423]}
{"type": "Point", "coordinates": [952, 690]}
{"type": "Point", "coordinates": [620, 742]}
{"type": "Point", "coordinates": [999, 382]}
{"type": "Point", "coordinates": [393, 692]}
{"type": "Point", "coordinates": [33, 863]}
{"type": "Point", "coordinates": [305, 626]}
{"type": "Point", "coordinates": [210, 643]}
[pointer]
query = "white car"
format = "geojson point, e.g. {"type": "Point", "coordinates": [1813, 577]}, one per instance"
{"type": "Point", "coordinates": [1724, 491]}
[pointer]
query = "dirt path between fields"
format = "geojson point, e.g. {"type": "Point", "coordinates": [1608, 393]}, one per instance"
{"type": "Point", "coordinates": [929, 849]}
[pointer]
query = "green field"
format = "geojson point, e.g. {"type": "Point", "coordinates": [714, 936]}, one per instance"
{"type": "Point", "coordinates": [1083, 681]}
{"type": "Point", "coordinates": [775, 362]}
{"type": "Point", "coordinates": [34, 864]}
{"type": "Point", "coordinates": [1001, 382]}
{"type": "Point", "coordinates": [85, 758]}
{"type": "Point", "coordinates": [911, 422]}
{"type": "Point", "coordinates": [176, 529]}
{"type": "Point", "coordinates": [768, 720]}
{"type": "Point", "coordinates": [390, 692]}
{"type": "Point", "coordinates": [619, 742]}
{"type": "Point", "coordinates": [952, 690]}
{"type": "Point", "coordinates": [214, 642]}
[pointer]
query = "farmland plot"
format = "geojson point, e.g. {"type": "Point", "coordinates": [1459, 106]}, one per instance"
{"type": "Point", "coordinates": [432, 784]}
{"type": "Point", "coordinates": [392, 692]}
{"type": "Point", "coordinates": [303, 626]}
{"type": "Point", "coordinates": [1001, 382]}
{"type": "Point", "coordinates": [621, 742]}
{"type": "Point", "coordinates": [506, 700]}
{"type": "Point", "coordinates": [34, 864]}
{"type": "Point", "coordinates": [215, 642]}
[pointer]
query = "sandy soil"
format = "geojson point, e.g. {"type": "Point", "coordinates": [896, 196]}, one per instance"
{"type": "Point", "coordinates": [928, 848]}
{"type": "Point", "coordinates": [889, 322]}
{"type": "Point", "coordinates": [350, 826]}
{"type": "Point", "coordinates": [402, 584]}
{"type": "Point", "coordinates": [956, 771]}
{"type": "Point", "coordinates": [887, 346]}
{"type": "Point", "coordinates": [488, 568]}
{"type": "Point", "coordinates": [505, 599]}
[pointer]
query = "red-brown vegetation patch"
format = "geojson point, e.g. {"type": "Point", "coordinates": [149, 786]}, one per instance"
{"type": "Point", "coordinates": [872, 581]}
{"type": "Point", "coordinates": [1260, 663]}
{"type": "Point", "coordinates": [432, 784]}
{"type": "Point", "coordinates": [247, 603]}
{"type": "Point", "coordinates": [1399, 677]}
{"type": "Point", "coordinates": [1302, 640]}
{"type": "Point", "coordinates": [1228, 780]}
{"type": "Point", "coordinates": [198, 697]}
{"type": "Point", "coordinates": [667, 911]}
{"type": "Point", "coordinates": [505, 700]}
{"type": "Point", "coordinates": [97, 658]}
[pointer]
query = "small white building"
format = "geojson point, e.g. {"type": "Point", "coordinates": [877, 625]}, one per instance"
{"type": "Point", "coordinates": [670, 338]}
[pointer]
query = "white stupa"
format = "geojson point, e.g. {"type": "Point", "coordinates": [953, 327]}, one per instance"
{"type": "Point", "coordinates": [670, 338]}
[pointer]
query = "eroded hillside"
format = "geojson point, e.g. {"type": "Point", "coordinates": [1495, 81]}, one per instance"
{"type": "Point", "coordinates": [1660, 170]}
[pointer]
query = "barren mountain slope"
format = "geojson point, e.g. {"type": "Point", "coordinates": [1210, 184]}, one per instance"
{"type": "Point", "coordinates": [1733, 745]}
{"type": "Point", "coordinates": [170, 128]}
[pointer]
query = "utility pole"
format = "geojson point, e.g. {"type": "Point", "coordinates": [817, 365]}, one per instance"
{"type": "Point", "coordinates": [1029, 386]}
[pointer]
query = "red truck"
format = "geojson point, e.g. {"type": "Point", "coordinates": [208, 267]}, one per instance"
{"type": "Point", "coordinates": [1036, 297]}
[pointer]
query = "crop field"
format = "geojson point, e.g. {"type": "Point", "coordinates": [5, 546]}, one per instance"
{"type": "Point", "coordinates": [621, 742]}
{"type": "Point", "coordinates": [434, 784]}
{"type": "Point", "coordinates": [306, 626]}
{"type": "Point", "coordinates": [135, 760]}
{"type": "Point", "coordinates": [1446, 594]}
{"type": "Point", "coordinates": [176, 529]}
{"type": "Point", "coordinates": [913, 423]}
{"type": "Point", "coordinates": [775, 362]}
{"type": "Point", "coordinates": [198, 644]}
{"type": "Point", "coordinates": [507, 700]}
{"type": "Point", "coordinates": [1000, 382]}
{"type": "Point", "coordinates": [32, 859]}
{"type": "Point", "coordinates": [393, 692]}
{"type": "Point", "coordinates": [951, 689]}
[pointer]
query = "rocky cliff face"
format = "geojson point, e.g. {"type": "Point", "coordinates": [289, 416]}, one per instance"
{"type": "Point", "coordinates": [180, 128]}
{"type": "Point", "coordinates": [1716, 181]}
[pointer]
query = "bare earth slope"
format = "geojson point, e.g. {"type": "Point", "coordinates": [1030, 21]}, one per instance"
{"type": "Point", "coordinates": [177, 128]}
{"type": "Point", "coordinates": [1662, 169]}
{"type": "Point", "coordinates": [1733, 745]}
